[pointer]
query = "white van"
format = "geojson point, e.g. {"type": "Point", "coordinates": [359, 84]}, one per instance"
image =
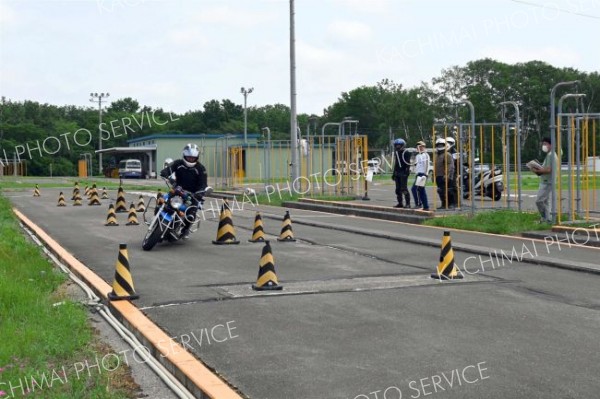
{"type": "Point", "coordinates": [130, 168]}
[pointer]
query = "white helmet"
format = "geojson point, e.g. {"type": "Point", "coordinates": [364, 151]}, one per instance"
{"type": "Point", "coordinates": [190, 155]}
{"type": "Point", "coordinates": [440, 141]}
{"type": "Point", "coordinates": [451, 142]}
{"type": "Point", "coordinates": [168, 162]}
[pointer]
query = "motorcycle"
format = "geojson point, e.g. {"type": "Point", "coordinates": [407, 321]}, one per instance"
{"type": "Point", "coordinates": [488, 182]}
{"type": "Point", "coordinates": [169, 218]}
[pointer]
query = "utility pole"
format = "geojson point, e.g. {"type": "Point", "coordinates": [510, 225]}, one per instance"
{"type": "Point", "coordinates": [293, 122]}
{"type": "Point", "coordinates": [93, 98]}
{"type": "Point", "coordinates": [245, 92]}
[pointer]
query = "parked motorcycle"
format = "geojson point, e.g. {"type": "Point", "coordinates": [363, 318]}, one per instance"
{"type": "Point", "coordinates": [169, 218]}
{"type": "Point", "coordinates": [487, 181]}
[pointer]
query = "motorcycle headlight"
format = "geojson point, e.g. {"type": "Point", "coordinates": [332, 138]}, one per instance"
{"type": "Point", "coordinates": [176, 202]}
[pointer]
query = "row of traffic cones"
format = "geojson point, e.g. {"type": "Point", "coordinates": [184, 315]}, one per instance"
{"type": "Point", "coordinates": [111, 218]}
{"type": "Point", "coordinates": [226, 230]}
{"type": "Point", "coordinates": [123, 288]}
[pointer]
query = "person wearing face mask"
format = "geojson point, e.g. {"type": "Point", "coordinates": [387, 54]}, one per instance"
{"type": "Point", "coordinates": [545, 174]}
{"type": "Point", "coordinates": [421, 168]}
{"type": "Point", "coordinates": [444, 171]}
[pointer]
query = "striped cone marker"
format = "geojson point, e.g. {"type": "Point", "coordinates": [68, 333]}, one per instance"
{"type": "Point", "coordinates": [267, 278]}
{"type": "Point", "coordinates": [94, 200]}
{"type": "Point", "coordinates": [86, 191]}
{"type": "Point", "coordinates": [77, 200]}
{"type": "Point", "coordinates": [225, 231]}
{"type": "Point", "coordinates": [286, 229]}
{"type": "Point", "coordinates": [36, 191]}
{"type": "Point", "coordinates": [75, 190]}
{"type": "Point", "coordinates": [104, 193]}
{"type": "Point", "coordinates": [61, 200]}
{"type": "Point", "coordinates": [111, 218]}
{"type": "Point", "coordinates": [123, 283]}
{"type": "Point", "coordinates": [132, 216]}
{"type": "Point", "coordinates": [141, 206]}
{"type": "Point", "coordinates": [447, 269]}
{"type": "Point", "coordinates": [258, 234]}
{"type": "Point", "coordinates": [121, 206]}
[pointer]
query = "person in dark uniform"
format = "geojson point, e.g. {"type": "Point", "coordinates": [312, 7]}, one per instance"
{"type": "Point", "coordinates": [400, 173]}
{"type": "Point", "coordinates": [190, 175]}
{"type": "Point", "coordinates": [452, 180]}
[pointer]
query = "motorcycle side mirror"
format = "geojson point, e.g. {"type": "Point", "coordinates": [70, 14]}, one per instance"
{"type": "Point", "coordinates": [208, 190]}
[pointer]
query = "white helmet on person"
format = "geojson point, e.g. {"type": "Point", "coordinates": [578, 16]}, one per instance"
{"type": "Point", "coordinates": [440, 144]}
{"type": "Point", "coordinates": [190, 155]}
{"type": "Point", "coordinates": [168, 162]}
{"type": "Point", "coordinates": [450, 141]}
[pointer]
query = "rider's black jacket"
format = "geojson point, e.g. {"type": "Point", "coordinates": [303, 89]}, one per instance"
{"type": "Point", "coordinates": [190, 179]}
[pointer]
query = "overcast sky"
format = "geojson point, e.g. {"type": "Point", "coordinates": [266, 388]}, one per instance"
{"type": "Point", "coordinates": [178, 54]}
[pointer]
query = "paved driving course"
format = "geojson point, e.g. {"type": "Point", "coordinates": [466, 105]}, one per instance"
{"type": "Point", "coordinates": [359, 315]}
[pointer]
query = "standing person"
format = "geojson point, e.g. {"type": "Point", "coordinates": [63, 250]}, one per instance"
{"type": "Point", "coordinates": [421, 168]}
{"type": "Point", "coordinates": [453, 180]}
{"type": "Point", "coordinates": [443, 170]}
{"type": "Point", "coordinates": [190, 175]}
{"type": "Point", "coordinates": [400, 173]}
{"type": "Point", "coordinates": [545, 187]}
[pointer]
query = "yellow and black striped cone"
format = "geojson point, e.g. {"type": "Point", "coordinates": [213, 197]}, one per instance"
{"type": "Point", "coordinates": [104, 193]}
{"type": "Point", "coordinates": [94, 200]}
{"type": "Point", "coordinates": [258, 234]}
{"type": "Point", "coordinates": [111, 218]}
{"type": "Point", "coordinates": [132, 216]}
{"type": "Point", "coordinates": [36, 191]}
{"type": "Point", "coordinates": [61, 200]}
{"type": "Point", "coordinates": [447, 269]}
{"type": "Point", "coordinates": [75, 190]}
{"type": "Point", "coordinates": [121, 206]}
{"type": "Point", "coordinates": [123, 283]}
{"type": "Point", "coordinates": [141, 206]}
{"type": "Point", "coordinates": [286, 229]}
{"type": "Point", "coordinates": [93, 190]}
{"type": "Point", "coordinates": [77, 200]}
{"type": "Point", "coordinates": [225, 231]}
{"type": "Point", "coordinates": [267, 279]}
{"type": "Point", "coordinates": [86, 191]}
{"type": "Point", "coordinates": [159, 198]}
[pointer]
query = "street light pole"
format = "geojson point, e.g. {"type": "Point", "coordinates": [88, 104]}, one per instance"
{"type": "Point", "coordinates": [293, 122]}
{"type": "Point", "coordinates": [245, 92]}
{"type": "Point", "coordinates": [98, 97]}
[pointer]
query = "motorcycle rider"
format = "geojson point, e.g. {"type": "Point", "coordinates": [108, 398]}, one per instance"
{"type": "Point", "coordinates": [191, 176]}
{"type": "Point", "coordinates": [401, 172]}
{"type": "Point", "coordinates": [443, 170]}
{"type": "Point", "coordinates": [453, 180]}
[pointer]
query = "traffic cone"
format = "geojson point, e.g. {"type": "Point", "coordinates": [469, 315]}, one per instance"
{"type": "Point", "coordinates": [141, 206]}
{"type": "Point", "coordinates": [93, 190]}
{"type": "Point", "coordinates": [104, 193]}
{"type": "Point", "coordinates": [286, 229]}
{"type": "Point", "coordinates": [77, 200]}
{"type": "Point", "coordinates": [61, 200]}
{"type": "Point", "coordinates": [75, 190]}
{"type": "Point", "coordinates": [225, 231]}
{"type": "Point", "coordinates": [258, 234]}
{"type": "Point", "coordinates": [159, 198]}
{"type": "Point", "coordinates": [94, 200]}
{"type": "Point", "coordinates": [86, 191]}
{"type": "Point", "coordinates": [121, 204]}
{"type": "Point", "coordinates": [267, 279]}
{"type": "Point", "coordinates": [447, 269]}
{"type": "Point", "coordinates": [123, 283]}
{"type": "Point", "coordinates": [36, 191]}
{"type": "Point", "coordinates": [132, 217]}
{"type": "Point", "coordinates": [111, 218]}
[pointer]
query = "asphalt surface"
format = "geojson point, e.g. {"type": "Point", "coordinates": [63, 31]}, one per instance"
{"type": "Point", "coordinates": [359, 316]}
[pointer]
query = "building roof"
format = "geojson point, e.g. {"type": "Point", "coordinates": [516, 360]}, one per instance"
{"type": "Point", "coordinates": [194, 136]}
{"type": "Point", "coordinates": [113, 150]}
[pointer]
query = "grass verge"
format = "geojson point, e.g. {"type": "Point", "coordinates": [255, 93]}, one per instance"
{"type": "Point", "coordinates": [278, 200]}
{"type": "Point", "coordinates": [498, 222]}
{"type": "Point", "coordinates": [45, 336]}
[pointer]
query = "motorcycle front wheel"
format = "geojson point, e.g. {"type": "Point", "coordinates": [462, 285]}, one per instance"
{"type": "Point", "coordinates": [152, 238]}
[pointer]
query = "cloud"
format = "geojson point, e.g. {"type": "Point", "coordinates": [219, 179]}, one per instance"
{"type": "Point", "coordinates": [371, 6]}
{"type": "Point", "coordinates": [553, 55]}
{"type": "Point", "coordinates": [187, 37]}
{"type": "Point", "coordinates": [350, 30]}
{"type": "Point", "coordinates": [225, 15]}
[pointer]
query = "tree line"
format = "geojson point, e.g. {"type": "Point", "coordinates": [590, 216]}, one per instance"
{"type": "Point", "coordinates": [385, 110]}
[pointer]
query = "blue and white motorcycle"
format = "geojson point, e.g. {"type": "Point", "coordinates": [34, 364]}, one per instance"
{"type": "Point", "coordinates": [178, 205]}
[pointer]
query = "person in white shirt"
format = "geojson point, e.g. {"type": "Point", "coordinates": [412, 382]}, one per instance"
{"type": "Point", "coordinates": [421, 169]}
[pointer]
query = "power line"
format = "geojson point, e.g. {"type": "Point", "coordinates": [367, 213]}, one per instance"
{"type": "Point", "coordinates": [559, 9]}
